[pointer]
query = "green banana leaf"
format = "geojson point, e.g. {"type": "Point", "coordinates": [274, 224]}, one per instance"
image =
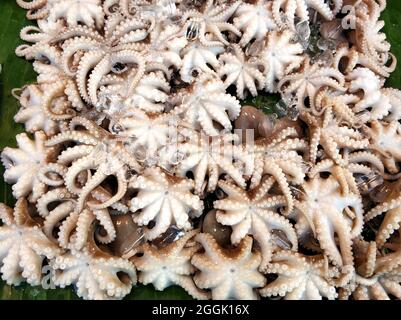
{"type": "Point", "coordinates": [17, 72]}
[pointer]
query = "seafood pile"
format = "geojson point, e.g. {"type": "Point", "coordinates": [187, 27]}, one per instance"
{"type": "Point", "coordinates": [143, 162]}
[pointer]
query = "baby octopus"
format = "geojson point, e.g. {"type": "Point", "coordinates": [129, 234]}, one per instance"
{"type": "Point", "coordinates": [326, 211]}
{"type": "Point", "coordinates": [255, 212]}
{"type": "Point", "coordinates": [23, 244]}
{"type": "Point", "coordinates": [135, 162]}
{"type": "Point", "coordinates": [93, 151]}
{"type": "Point", "coordinates": [229, 273]}
{"type": "Point", "coordinates": [166, 199]}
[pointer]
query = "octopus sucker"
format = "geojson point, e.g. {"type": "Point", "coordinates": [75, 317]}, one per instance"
{"type": "Point", "coordinates": [154, 151]}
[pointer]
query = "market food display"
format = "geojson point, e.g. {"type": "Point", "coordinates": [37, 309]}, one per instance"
{"type": "Point", "coordinates": [142, 162]}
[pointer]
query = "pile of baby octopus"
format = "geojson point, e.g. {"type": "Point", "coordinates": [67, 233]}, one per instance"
{"type": "Point", "coordinates": [141, 162]}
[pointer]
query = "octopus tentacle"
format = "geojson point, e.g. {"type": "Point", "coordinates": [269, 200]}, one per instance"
{"type": "Point", "coordinates": [121, 189]}
{"type": "Point", "coordinates": [278, 174]}
{"type": "Point", "coordinates": [101, 195]}
{"type": "Point", "coordinates": [33, 4]}
{"type": "Point", "coordinates": [34, 14]}
{"type": "Point", "coordinates": [78, 166]}
{"type": "Point", "coordinates": [49, 96]}
{"type": "Point", "coordinates": [84, 222]}
{"type": "Point", "coordinates": [379, 209]}
{"type": "Point", "coordinates": [93, 182]}
{"type": "Point", "coordinates": [67, 228]}
{"type": "Point", "coordinates": [68, 156]}
{"type": "Point", "coordinates": [57, 194]}
{"type": "Point", "coordinates": [52, 168]}
{"type": "Point", "coordinates": [55, 217]}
